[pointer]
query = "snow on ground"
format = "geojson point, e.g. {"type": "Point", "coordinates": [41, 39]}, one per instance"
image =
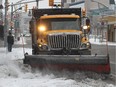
{"type": "Point", "coordinates": [21, 41]}
{"type": "Point", "coordinates": [14, 74]}
{"type": "Point", "coordinates": [98, 41]}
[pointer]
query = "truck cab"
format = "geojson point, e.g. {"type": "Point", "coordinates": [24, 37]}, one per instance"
{"type": "Point", "coordinates": [61, 34]}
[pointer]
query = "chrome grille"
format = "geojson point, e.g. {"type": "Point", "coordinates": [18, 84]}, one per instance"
{"type": "Point", "coordinates": [63, 41]}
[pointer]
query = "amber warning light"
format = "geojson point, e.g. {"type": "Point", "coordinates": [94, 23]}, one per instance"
{"type": "Point", "coordinates": [51, 2]}
{"type": "Point", "coordinates": [84, 12]}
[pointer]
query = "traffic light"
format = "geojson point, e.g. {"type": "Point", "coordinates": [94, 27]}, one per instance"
{"type": "Point", "coordinates": [51, 2]}
{"type": "Point", "coordinates": [84, 12]}
{"type": "Point", "coordinates": [88, 24]}
{"type": "Point", "coordinates": [26, 7]}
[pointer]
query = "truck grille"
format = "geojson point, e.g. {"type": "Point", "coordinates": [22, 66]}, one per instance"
{"type": "Point", "coordinates": [64, 41]}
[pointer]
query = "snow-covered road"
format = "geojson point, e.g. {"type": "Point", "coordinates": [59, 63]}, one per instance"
{"type": "Point", "coordinates": [14, 74]}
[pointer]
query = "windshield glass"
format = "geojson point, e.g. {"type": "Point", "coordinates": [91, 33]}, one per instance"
{"type": "Point", "coordinates": [61, 23]}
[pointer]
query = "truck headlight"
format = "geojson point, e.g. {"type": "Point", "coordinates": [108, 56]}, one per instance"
{"type": "Point", "coordinates": [43, 47]}
{"type": "Point", "coordinates": [89, 45]}
{"type": "Point", "coordinates": [86, 45]}
{"type": "Point", "coordinates": [85, 27]}
{"type": "Point", "coordinates": [42, 28]}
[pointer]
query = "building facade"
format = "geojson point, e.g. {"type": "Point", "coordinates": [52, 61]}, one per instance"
{"type": "Point", "coordinates": [103, 15]}
{"type": "Point", "coordinates": [70, 1]}
{"type": "Point", "coordinates": [24, 22]}
{"type": "Point", "coordinates": [96, 4]}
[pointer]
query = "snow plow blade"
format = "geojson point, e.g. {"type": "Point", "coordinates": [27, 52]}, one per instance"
{"type": "Point", "coordinates": [99, 63]}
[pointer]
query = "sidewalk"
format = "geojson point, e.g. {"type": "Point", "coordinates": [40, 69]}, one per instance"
{"type": "Point", "coordinates": [99, 42]}
{"type": "Point", "coordinates": [17, 43]}
{"type": "Point", "coordinates": [1, 43]}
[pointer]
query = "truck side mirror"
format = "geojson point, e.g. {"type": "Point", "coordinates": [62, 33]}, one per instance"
{"type": "Point", "coordinates": [30, 26]}
{"type": "Point", "coordinates": [88, 24]}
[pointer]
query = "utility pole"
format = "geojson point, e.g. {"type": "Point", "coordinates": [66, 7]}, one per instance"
{"type": "Point", "coordinates": [11, 17]}
{"type": "Point", "coordinates": [37, 3]}
{"type": "Point", "coordinates": [5, 23]}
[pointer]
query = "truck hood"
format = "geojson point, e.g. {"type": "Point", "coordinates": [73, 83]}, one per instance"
{"type": "Point", "coordinates": [42, 39]}
{"type": "Point", "coordinates": [61, 31]}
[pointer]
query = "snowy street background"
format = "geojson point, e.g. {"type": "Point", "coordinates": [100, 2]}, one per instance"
{"type": "Point", "coordinates": [14, 74]}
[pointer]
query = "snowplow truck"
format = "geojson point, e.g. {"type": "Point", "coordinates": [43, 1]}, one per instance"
{"type": "Point", "coordinates": [60, 41]}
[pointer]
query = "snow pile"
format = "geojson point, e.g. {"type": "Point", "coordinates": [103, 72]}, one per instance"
{"type": "Point", "coordinates": [7, 70]}
{"type": "Point", "coordinates": [7, 66]}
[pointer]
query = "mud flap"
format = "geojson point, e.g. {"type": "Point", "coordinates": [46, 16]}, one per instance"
{"type": "Point", "coordinates": [99, 63]}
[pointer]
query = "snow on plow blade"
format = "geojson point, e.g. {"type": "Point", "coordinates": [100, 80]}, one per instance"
{"type": "Point", "coordinates": [99, 63]}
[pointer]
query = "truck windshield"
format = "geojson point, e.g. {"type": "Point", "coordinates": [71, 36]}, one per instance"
{"type": "Point", "coordinates": [62, 23]}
